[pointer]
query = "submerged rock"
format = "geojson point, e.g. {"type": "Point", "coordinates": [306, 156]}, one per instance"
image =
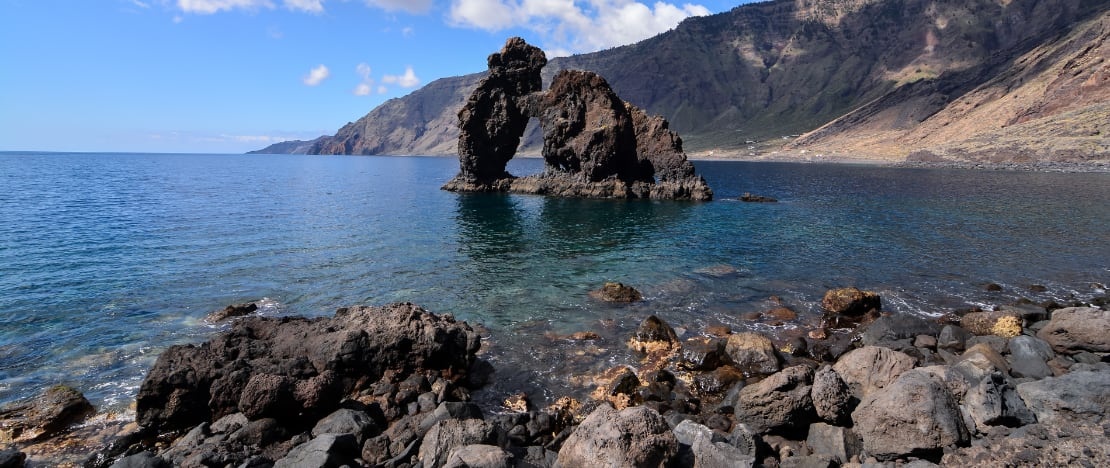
{"type": "Point", "coordinates": [43, 416]}
{"type": "Point", "coordinates": [231, 311]}
{"type": "Point", "coordinates": [595, 144]}
{"type": "Point", "coordinates": [847, 307]}
{"type": "Point", "coordinates": [616, 292]}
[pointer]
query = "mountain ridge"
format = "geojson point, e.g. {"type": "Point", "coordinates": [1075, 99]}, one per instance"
{"type": "Point", "coordinates": [856, 78]}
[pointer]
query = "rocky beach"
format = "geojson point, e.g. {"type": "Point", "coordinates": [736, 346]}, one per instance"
{"type": "Point", "coordinates": [1021, 385]}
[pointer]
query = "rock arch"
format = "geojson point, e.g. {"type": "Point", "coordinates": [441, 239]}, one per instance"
{"type": "Point", "coordinates": [594, 144]}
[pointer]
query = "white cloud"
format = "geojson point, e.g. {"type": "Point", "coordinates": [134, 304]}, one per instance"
{"type": "Point", "coordinates": [140, 4]}
{"type": "Point", "coordinates": [408, 80]}
{"type": "Point", "coordinates": [316, 76]}
{"type": "Point", "coordinates": [407, 31]}
{"type": "Point", "coordinates": [208, 7]}
{"type": "Point", "coordinates": [411, 6]}
{"type": "Point", "coordinates": [309, 6]}
{"type": "Point", "coordinates": [574, 25]}
{"type": "Point", "coordinates": [382, 90]}
{"type": "Point", "coordinates": [364, 88]}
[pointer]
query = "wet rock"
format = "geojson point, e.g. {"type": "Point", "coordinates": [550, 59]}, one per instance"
{"type": "Point", "coordinates": [295, 368]}
{"type": "Point", "coordinates": [517, 402]}
{"type": "Point", "coordinates": [994, 402]}
{"type": "Point", "coordinates": [347, 421]}
{"type": "Point", "coordinates": [752, 352]}
{"type": "Point", "coordinates": [231, 311]}
{"type": "Point", "coordinates": [1029, 313]}
{"type": "Point", "coordinates": [992, 287]}
{"type": "Point", "coordinates": [1076, 396]}
{"type": "Point", "coordinates": [616, 292]}
{"type": "Point", "coordinates": [720, 331]}
{"type": "Point", "coordinates": [781, 402]}
{"type": "Point", "coordinates": [448, 435]}
{"type": "Point", "coordinates": [717, 381]}
{"type": "Point", "coordinates": [914, 415]}
{"type": "Point", "coordinates": [748, 197]}
{"type": "Point", "coordinates": [832, 399]}
{"type": "Point", "coordinates": [837, 442]}
{"type": "Point", "coordinates": [632, 437]}
{"type": "Point", "coordinates": [1076, 329]}
{"type": "Point", "coordinates": [12, 458]}
{"type": "Point", "coordinates": [653, 335]}
{"type": "Point", "coordinates": [1029, 357]}
{"type": "Point", "coordinates": [702, 354]}
{"type": "Point", "coordinates": [325, 451]}
{"type": "Point", "coordinates": [44, 415]}
{"type": "Point", "coordinates": [847, 307]}
{"type": "Point", "coordinates": [866, 370]}
{"type": "Point", "coordinates": [999, 323]}
{"type": "Point", "coordinates": [953, 337]}
{"type": "Point", "coordinates": [479, 456]}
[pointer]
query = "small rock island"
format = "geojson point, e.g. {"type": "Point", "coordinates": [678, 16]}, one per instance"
{"type": "Point", "coordinates": [595, 145]}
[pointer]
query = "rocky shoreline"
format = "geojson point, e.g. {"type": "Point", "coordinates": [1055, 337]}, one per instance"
{"type": "Point", "coordinates": [1025, 384]}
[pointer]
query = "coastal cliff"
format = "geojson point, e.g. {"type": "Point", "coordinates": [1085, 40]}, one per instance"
{"type": "Point", "coordinates": [972, 81]}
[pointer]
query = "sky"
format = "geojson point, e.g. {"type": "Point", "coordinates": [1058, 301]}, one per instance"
{"type": "Point", "coordinates": [229, 76]}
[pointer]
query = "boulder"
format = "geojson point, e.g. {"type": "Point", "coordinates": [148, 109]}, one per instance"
{"type": "Point", "coordinates": [847, 307]}
{"type": "Point", "coordinates": [749, 198]}
{"type": "Point", "coordinates": [325, 451]}
{"type": "Point", "coordinates": [1076, 396]}
{"type": "Point", "coordinates": [809, 461]}
{"type": "Point", "coordinates": [616, 292]}
{"type": "Point", "coordinates": [718, 380]}
{"type": "Point", "coordinates": [752, 353]}
{"type": "Point", "coordinates": [653, 335]}
{"type": "Point", "coordinates": [897, 331]}
{"type": "Point", "coordinates": [1029, 357]}
{"type": "Point", "coordinates": [1076, 329]}
{"type": "Point", "coordinates": [231, 311]}
{"type": "Point", "coordinates": [594, 144]}
{"type": "Point", "coordinates": [43, 416]}
{"type": "Point", "coordinates": [702, 354]}
{"type": "Point", "coordinates": [451, 434]}
{"type": "Point", "coordinates": [297, 369]}
{"type": "Point", "coordinates": [994, 403]}
{"type": "Point", "coordinates": [636, 436]}
{"type": "Point", "coordinates": [347, 421]}
{"type": "Point", "coordinates": [914, 415]}
{"type": "Point", "coordinates": [832, 398]}
{"type": "Point", "coordinates": [840, 443]}
{"type": "Point", "coordinates": [781, 402]}
{"type": "Point", "coordinates": [871, 368]}
{"type": "Point", "coordinates": [1002, 323]}
{"type": "Point", "coordinates": [984, 358]}
{"type": "Point", "coordinates": [479, 456]}
{"type": "Point", "coordinates": [952, 337]}
{"type": "Point", "coordinates": [143, 459]}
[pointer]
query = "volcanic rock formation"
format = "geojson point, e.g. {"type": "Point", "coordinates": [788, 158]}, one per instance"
{"type": "Point", "coordinates": [594, 144]}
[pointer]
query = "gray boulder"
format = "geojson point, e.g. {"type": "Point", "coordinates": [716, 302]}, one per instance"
{"type": "Point", "coordinates": [1029, 357]}
{"type": "Point", "coordinates": [832, 399]}
{"type": "Point", "coordinates": [913, 415]}
{"type": "Point", "coordinates": [896, 331]}
{"type": "Point", "coordinates": [1076, 329]}
{"type": "Point", "coordinates": [325, 451]}
{"type": "Point", "coordinates": [138, 460]}
{"type": "Point", "coordinates": [752, 352]}
{"type": "Point", "coordinates": [347, 421]}
{"type": "Point", "coordinates": [779, 402]}
{"type": "Point", "coordinates": [871, 368]}
{"type": "Point", "coordinates": [809, 461]}
{"type": "Point", "coordinates": [704, 448]}
{"type": "Point", "coordinates": [450, 434]}
{"type": "Point", "coordinates": [840, 443]}
{"type": "Point", "coordinates": [994, 402]}
{"type": "Point", "coordinates": [1083, 396]}
{"type": "Point", "coordinates": [953, 337]}
{"type": "Point", "coordinates": [450, 410]}
{"type": "Point", "coordinates": [479, 456]}
{"type": "Point", "coordinates": [636, 436]}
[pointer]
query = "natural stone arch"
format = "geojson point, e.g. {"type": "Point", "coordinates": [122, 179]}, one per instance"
{"type": "Point", "coordinates": [595, 144]}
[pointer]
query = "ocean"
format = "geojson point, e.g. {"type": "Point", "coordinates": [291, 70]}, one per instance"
{"type": "Point", "coordinates": [107, 259]}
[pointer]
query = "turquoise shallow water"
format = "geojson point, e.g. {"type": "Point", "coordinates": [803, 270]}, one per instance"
{"type": "Point", "coordinates": [105, 259]}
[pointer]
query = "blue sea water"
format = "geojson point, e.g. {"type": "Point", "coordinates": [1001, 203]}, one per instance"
{"type": "Point", "coordinates": [106, 259]}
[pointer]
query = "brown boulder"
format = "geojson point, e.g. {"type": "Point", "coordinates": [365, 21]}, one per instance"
{"type": "Point", "coordinates": [847, 307]}
{"type": "Point", "coordinates": [1076, 329]}
{"type": "Point", "coordinates": [43, 416]}
{"type": "Point", "coordinates": [616, 292]}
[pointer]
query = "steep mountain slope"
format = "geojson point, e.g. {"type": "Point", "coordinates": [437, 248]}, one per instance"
{"type": "Point", "coordinates": [875, 77]}
{"type": "Point", "coordinates": [1050, 104]}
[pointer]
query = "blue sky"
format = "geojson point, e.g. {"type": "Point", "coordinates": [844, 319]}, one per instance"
{"type": "Point", "coordinates": [236, 75]}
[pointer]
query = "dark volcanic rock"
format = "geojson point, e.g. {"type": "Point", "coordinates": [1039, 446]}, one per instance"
{"type": "Point", "coordinates": [595, 144]}
{"type": "Point", "coordinates": [616, 292]}
{"type": "Point", "coordinates": [234, 310]}
{"type": "Point", "coordinates": [43, 416]}
{"type": "Point", "coordinates": [295, 369]}
{"type": "Point", "coordinates": [1070, 398]}
{"type": "Point", "coordinates": [780, 402]}
{"type": "Point", "coordinates": [747, 197]}
{"type": "Point", "coordinates": [832, 399]}
{"type": "Point", "coordinates": [752, 352]}
{"type": "Point", "coordinates": [12, 458]}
